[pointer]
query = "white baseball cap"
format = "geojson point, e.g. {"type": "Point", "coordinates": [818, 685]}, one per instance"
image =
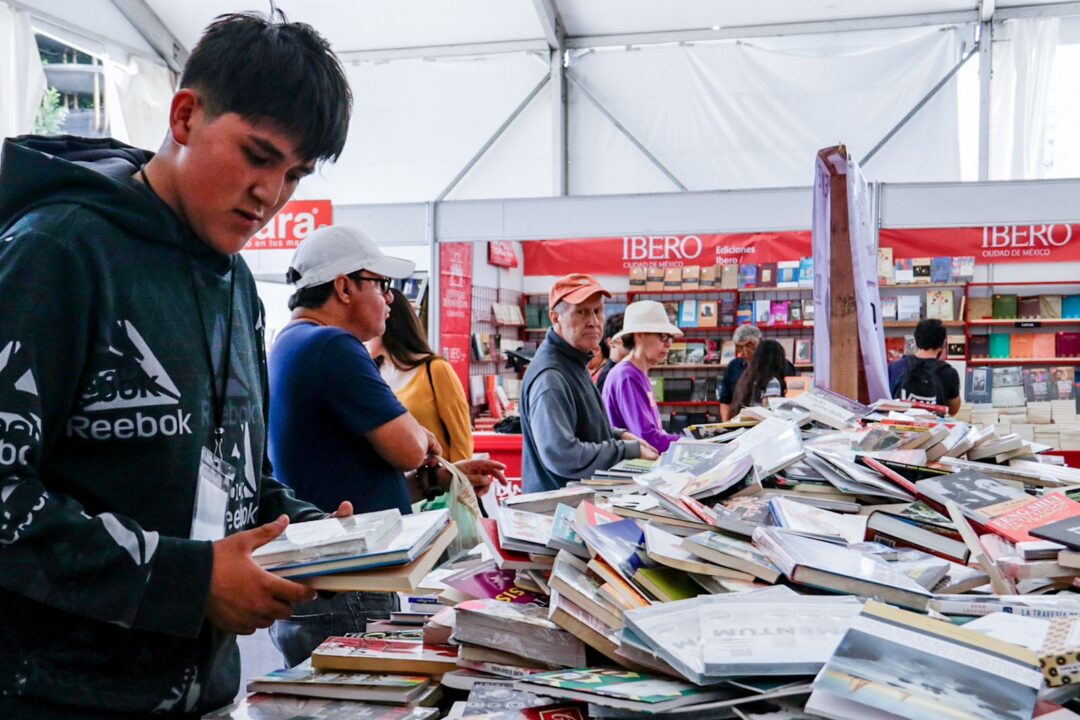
{"type": "Point", "coordinates": [339, 250]}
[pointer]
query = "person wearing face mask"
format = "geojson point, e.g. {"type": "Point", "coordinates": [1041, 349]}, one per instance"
{"type": "Point", "coordinates": [337, 432]}
{"type": "Point", "coordinates": [628, 397]}
{"type": "Point", "coordinates": [567, 433]}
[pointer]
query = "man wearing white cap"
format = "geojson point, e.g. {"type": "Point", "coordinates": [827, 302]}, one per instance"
{"type": "Point", "coordinates": [628, 397]}
{"type": "Point", "coordinates": [337, 432]}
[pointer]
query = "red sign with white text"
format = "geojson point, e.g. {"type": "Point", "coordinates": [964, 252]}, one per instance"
{"type": "Point", "coordinates": [295, 221]}
{"type": "Point", "coordinates": [617, 255]}
{"type": "Point", "coordinates": [501, 254]}
{"type": "Point", "coordinates": [455, 307]}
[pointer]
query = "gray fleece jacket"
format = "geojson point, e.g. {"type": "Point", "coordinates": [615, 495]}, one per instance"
{"type": "Point", "coordinates": [567, 432]}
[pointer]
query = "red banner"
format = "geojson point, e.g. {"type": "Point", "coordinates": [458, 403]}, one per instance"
{"type": "Point", "coordinates": [295, 221]}
{"type": "Point", "coordinates": [989, 245]}
{"type": "Point", "coordinates": [617, 255]}
{"type": "Point", "coordinates": [455, 307]}
{"type": "Point", "coordinates": [501, 254]}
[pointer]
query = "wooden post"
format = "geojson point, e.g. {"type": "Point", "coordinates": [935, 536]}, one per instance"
{"type": "Point", "coordinates": [845, 357]}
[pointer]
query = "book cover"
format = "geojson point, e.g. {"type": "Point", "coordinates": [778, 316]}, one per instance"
{"type": "Point", "coordinates": [1004, 306]}
{"type": "Point", "coordinates": [788, 343]}
{"type": "Point", "coordinates": [787, 274]}
{"type": "Point", "coordinates": [806, 272]}
{"type": "Point", "coordinates": [729, 276]}
{"type": "Point", "coordinates": [941, 270]}
{"type": "Point", "coordinates": [979, 346]}
{"type": "Point", "coordinates": [762, 312]}
{"type": "Point", "coordinates": [1061, 382]}
{"type": "Point", "coordinates": [1064, 532]}
{"type": "Point", "coordinates": [785, 636]}
{"type": "Point", "coordinates": [1016, 525]}
{"type": "Point", "coordinates": [745, 314]}
{"type": "Point", "coordinates": [620, 543]}
{"type": "Point", "coordinates": [1008, 390]}
{"type": "Point", "coordinates": [1068, 344]}
{"type": "Point", "coordinates": [691, 277]}
{"type": "Point", "coordinates": [286, 707]}
{"type": "Point", "coordinates": [707, 278]}
{"type": "Point", "coordinates": [888, 307]}
{"type": "Point", "coordinates": [905, 272]}
{"type": "Point", "coordinates": [980, 496]}
{"type": "Point", "coordinates": [667, 584]}
{"type": "Point", "coordinates": [727, 352]}
{"type": "Point", "coordinates": [637, 282]}
{"type": "Point", "coordinates": [383, 654]}
{"type": "Point", "coordinates": [726, 308]}
{"type": "Point", "coordinates": [767, 275]}
{"type": "Point", "coordinates": [688, 314]}
{"type": "Point", "coordinates": [978, 384]}
{"type": "Point", "coordinates": [1028, 306]}
{"type": "Point", "coordinates": [817, 523]}
{"type": "Point", "coordinates": [673, 279]}
{"type": "Point", "coordinates": [808, 310]}
{"type": "Point", "coordinates": [654, 278]}
{"type": "Point", "coordinates": [1036, 384]}
{"type": "Point", "coordinates": [748, 276]}
{"type": "Point", "coordinates": [1043, 345]}
{"type": "Point", "coordinates": [909, 345]}
{"type": "Point", "coordinates": [920, 270]}
{"type": "Point", "coordinates": [939, 305]}
{"type": "Point", "coordinates": [913, 666]}
{"type": "Point", "coordinates": [733, 553]}
{"type": "Point", "coordinates": [522, 530]}
{"type": "Point", "coordinates": [329, 538]}
{"type": "Point", "coordinates": [963, 268]}
{"type": "Point", "coordinates": [707, 313]}
{"type": "Point", "coordinates": [908, 308]}
{"type": "Point", "coordinates": [955, 346]}
{"type": "Point", "coordinates": [1000, 345]}
{"type": "Point", "coordinates": [499, 701]}
{"type": "Point", "coordinates": [795, 310]}
{"type": "Point", "coordinates": [804, 352]}
{"type": "Point", "coordinates": [1021, 346]}
{"type": "Point", "coordinates": [373, 687]}
{"type": "Point", "coordinates": [1070, 307]}
{"type": "Point", "coordinates": [488, 581]}
{"type": "Point", "coordinates": [618, 688]}
{"type": "Point", "coordinates": [671, 309]}
{"type": "Point", "coordinates": [778, 312]}
{"type": "Point", "coordinates": [886, 270]}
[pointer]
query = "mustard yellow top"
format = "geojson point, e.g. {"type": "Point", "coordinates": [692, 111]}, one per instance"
{"type": "Point", "coordinates": [448, 404]}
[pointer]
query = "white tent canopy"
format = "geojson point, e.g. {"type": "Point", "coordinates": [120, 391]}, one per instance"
{"type": "Point", "coordinates": [660, 97]}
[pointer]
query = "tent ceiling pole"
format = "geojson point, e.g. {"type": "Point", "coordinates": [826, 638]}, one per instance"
{"type": "Point", "coordinates": [986, 72]}
{"type": "Point", "coordinates": [155, 32]}
{"type": "Point", "coordinates": [629, 136]}
{"type": "Point", "coordinates": [919, 105]}
{"type": "Point", "coordinates": [491, 141]}
{"type": "Point", "coordinates": [555, 33]}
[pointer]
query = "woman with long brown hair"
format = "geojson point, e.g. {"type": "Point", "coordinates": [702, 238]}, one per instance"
{"type": "Point", "coordinates": [425, 383]}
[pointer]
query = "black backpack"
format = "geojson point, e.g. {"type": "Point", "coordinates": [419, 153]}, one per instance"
{"type": "Point", "coordinates": [921, 382]}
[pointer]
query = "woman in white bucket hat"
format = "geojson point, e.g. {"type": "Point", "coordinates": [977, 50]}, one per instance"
{"type": "Point", "coordinates": [628, 398]}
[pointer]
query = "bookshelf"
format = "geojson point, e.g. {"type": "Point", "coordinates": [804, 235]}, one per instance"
{"type": "Point", "coordinates": [1025, 308]}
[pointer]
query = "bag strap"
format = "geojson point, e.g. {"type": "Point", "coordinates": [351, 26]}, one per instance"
{"type": "Point", "coordinates": [431, 382]}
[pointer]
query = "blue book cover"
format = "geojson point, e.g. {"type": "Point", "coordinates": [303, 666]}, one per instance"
{"type": "Point", "coordinates": [1070, 306]}
{"type": "Point", "coordinates": [806, 272]}
{"type": "Point", "coordinates": [745, 313]}
{"type": "Point", "coordinates": [688, 314]}
{"type": "Point", "coordinates": [941, 270]}
{"type": "Point", "coordinates": [747, 275]}
{"type": "Point", "coordinates": [621, 544]}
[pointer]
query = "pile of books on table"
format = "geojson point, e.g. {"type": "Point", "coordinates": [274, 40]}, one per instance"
{"type": "Point", "coordinates": [817, 559]}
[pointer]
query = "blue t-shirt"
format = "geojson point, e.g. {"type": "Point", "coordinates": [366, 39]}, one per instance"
{"type": "Point", "coordinates": [325, 394]}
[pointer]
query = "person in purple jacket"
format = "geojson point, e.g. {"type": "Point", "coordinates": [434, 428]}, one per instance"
{"type": "Point", "coordinates": [628, 397]}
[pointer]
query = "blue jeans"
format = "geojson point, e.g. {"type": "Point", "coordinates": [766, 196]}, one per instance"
{"type": "Point", "coordinates": [337, 614]}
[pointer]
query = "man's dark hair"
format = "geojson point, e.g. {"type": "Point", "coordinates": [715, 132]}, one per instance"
{"type": "Point", "coordinates": [930, 334]}
{"type": "Point", "coordinates": [314, 296]}
{"type": "Point", "coordinates": [248, 64]}
{"type": "Point", "coordinates": [612, 325]}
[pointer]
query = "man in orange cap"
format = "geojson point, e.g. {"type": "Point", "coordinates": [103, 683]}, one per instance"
{"type": "Point", "coordinates": [567, 432]}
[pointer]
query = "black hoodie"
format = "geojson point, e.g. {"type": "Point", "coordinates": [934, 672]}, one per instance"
{"type": "Point", "coordinates": [105, 406]}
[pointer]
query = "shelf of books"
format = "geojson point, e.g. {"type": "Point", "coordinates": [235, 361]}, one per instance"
{"type": "Point", "coordinates": [1019, 374]}
{"type": "Point", "coordinates": [497, 324]}
{"type": "Point", "coordinates": [915, 289]}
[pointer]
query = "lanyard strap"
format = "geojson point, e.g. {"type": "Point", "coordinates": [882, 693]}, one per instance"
{"type": "Point", "coordinates": [218, 396]}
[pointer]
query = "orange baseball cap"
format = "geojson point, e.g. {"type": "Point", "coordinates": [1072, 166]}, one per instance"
{"type": "Point", "coordinates": [574, 289]}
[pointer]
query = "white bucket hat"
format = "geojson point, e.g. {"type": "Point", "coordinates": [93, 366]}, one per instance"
{"type": "Point", "coordinates": [646, 316]}
{"type": "Point", "coordinates": [339, 250]}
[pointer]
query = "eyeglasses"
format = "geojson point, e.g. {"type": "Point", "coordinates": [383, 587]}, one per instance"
{"type": "Point", "coordinates": [665, 338]}
{"type": "Point", "coordinates": [384, 282]}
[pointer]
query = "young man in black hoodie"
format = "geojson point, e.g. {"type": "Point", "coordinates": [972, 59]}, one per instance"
{"type": "Point", "coordinates": [133, 481]}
